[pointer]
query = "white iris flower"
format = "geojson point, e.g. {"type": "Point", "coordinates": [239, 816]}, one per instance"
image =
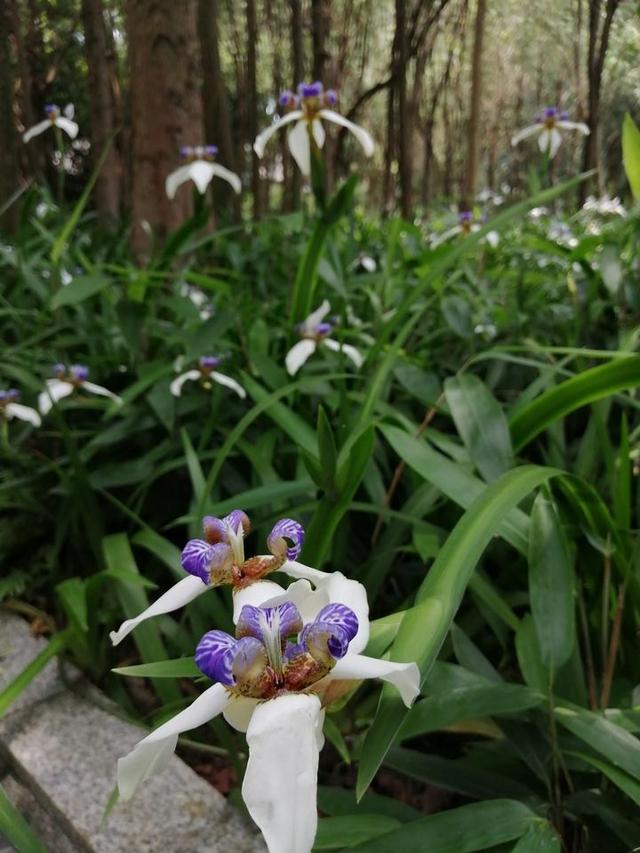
{"type": "Point", "coordinates": [547, 126]}
{"type": "Point", "coordinates": [54, 118]}
{"type": "Point", "coordinates": [314, 333]}
{"type": "Point", "coordinates": [304, 110]}
{"type": "Point", "coordinates": [10, 408]}
{"type": "Point", "coordinates": [66, 382]}
{"type": "Point", "coordinates": [207, 373]}
{"type": "Point", "coordinates": [201, 169]}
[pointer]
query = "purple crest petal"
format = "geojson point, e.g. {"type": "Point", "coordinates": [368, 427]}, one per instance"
{"type": "Point", "coordinates": [211, 150]}
{"type": "Point", "coordinates": [79, 372]}
{"type": "Point", "coordinates": [186, 150]}
{"type": "Point", "coordinates": [465, 216]}
{"type": "Point", "coordinates": [331, 97]}
{"type": "Point", "coordinates": [214, 656]}
{"type": "Point", "coordinates": [340, 615]}
{"type": "Point", "coordinates": [550, 112]}
{"type": "Point", "coordinates": [51, 108]}
{"type": "Point", "coordinates": [3, 396]}
{"type": "Point", "coordinates": [284, 531]}
{"type": "Point", "coordinates": [285, 98]}
{"type": "Point", "coordinates": [310, 90]}
{"type": "Point", "coordinates": [208, 362]}
{"type": "Point", "coordinates": [215, 530]}
{"type": "Point", "coordinates": [59, 369]}
{"type": "Point", "coordinates": [323, 329]}
{"type": "Point", "coordinates": [323, 637]}
{"type": "Point", "coordinates": [12, 394]}
{"type": "Point", "coordinates": [283, 619]}
{"type": "Point", "coordinates": [564, 116]}
{"type": "Point", "coordinates": [237, 518]}
{"type": "Point", "coordinates": [199, 558]}
{"type": "Point", "coordinates": [248, 659]}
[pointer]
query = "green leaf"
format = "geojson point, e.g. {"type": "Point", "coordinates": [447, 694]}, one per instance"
{"type": "Point", "coordinates": [541, 837]}
{"type": "Point", "coordinates": [177, 668]}
{"type": "Point", "coordinates": [74, 602]}
{"type": "Point", "coordinates": [196, 475]}
{"type": "Point", "coordinates": [551, 584]}
{"type": "Point", "coordinates": [334, 801]}
{"type": "Point", "coordinates": [426, 624]}
{"type": "Point", "coordinates": [289, 422]}
{"type": "Point", "coordinates": [625, 782]}
{"type": "Point", "coordinates": [480, 700]}
{"type": "Point", "coordinates": [345, 831]}
{"type": "Point", "coordinates": [616, 744]}
{"type": "Point", "coordinates": [79, 289]}
{"type": "Point", "coordinates": [20, 683]}
{"type": "Point", "coordinates": [335, 737]}
{"type": "Point", "coordinates": [478, 826]}
{"type": "Point", "coordinates": [586, 387]}
{"type": "Point", "coordinates": [481, 423]}
{"type": "Point", "coordinates": [16, 829]}
{"type": "Point", "coordinates": [631, 154]}
{"type": "Point", "coordinates": [532, 667]}
{"type": "Point", "coordinates": [326, 448]}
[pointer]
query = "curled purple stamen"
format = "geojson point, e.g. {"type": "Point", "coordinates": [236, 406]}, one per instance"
{"type": "Point", "coordinates": [284, 532]}
{"type": "Point", "coordinates": [79, 372]}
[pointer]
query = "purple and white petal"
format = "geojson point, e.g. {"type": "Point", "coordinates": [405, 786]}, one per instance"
{"type": "Point", "coordinates": [260, 592]}
{"type": "Point", "coordinates": [215, 529]}
{"type": "Point", "coordinates": [280, 783]}
{"type": "Point", "coordinates": [177, 596]}
{"type": "Point", "coordinates": [178, 382]}
{"type": "Point", "coordinates": [56, 389]}
{"type": "Point", "coordinates": [300, 147]}
{"type": "Point", "coordinates": [282, 620]}
{"type": "Point", "coordinates": [248, 660]}
{"type": "Point", "coordinates": [238, 522]}
{"type": "Point", "coordinates": [228, 176]}
{"type": "Point", "coordinates": [69, 127]}
{"type": "Point", "coordinates": [23, 413]}
{"type": "Point", "coordinates": [152, 754]}
{"type": "Point", "coordinates": [265, 136]}
{"type": "Point", "coordinates": [200, 559]}
{"type": "Point", "coordinates": [286, 538]}
{"type": "Point", "coordinates": [405, 677]}
{"type": "Point", "coordinates": [363, 136]}
{"type": "Point", "coordinates": [36, 130]}
{"type": "Point", "coordinates": [321, 637]}
{"type": "Point", "coordinates": [228, 382]}
{"type": "Point", "coordinates": [341, 615]}
{"type": "Point", "coordinates": [214, 656]}
{"type": "Point", "coordinates": [298, 355]}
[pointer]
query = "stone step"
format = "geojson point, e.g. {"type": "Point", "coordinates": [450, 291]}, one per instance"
{"type": "Point", "coordinates": [60, 751]}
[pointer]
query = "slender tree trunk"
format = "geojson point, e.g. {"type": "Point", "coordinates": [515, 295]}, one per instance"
{"type": "Point", "coordinates": [252, 116]}
{"type": "Point", "coordinates": [403, 142]}
{"type": "Point", "coordinates": [297, 63]}
{"type": "Point", "coordinates": [166, 111]}
{"type": "Point", "coordinates": [475, 110]}
{"type": "Point", "coordinates": [9, 167]}
{"type": "Point", "coordinates": [217, 117]}
{"type": "Point", "coordinates": [320, 16]}
{"type": "Point", "coordinates": [103, 114]}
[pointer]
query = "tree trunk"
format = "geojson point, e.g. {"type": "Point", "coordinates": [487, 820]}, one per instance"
{"type": "Point", "coordinates": [217, 117]}
{"type": "Point", "coordinates": [9, 168]}
{"type": "Point", "coordinates": [403, 142]}
{"type": "Point", "coordinates": [475, 111]}
{"type": "Point", "coordinates": [320, 12]}
{"type": "Point", "coordinates": [166, 111]}
{"type": "Point", "coordinates": [252, 115]}
{"type": "Point", "coordinates": [103, 113]}
{"type": "Point", "coordinates": [297, 62]}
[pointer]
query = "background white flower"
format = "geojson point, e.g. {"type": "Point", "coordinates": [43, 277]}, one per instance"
{"type": "Point", "coordinates": [54, 119]}
{"type": "Point", "coordinates": [207, 373]}
{"type": "Point", "coordinates": [201, 169]}
{"type": "Point", "coordinates": [10, 408]}
{"type": "Point", "coordinates": [547, 126]}
{"type": "Point", "coordinates": [314, 333]}
{"type": "Point", "coordinates": [66, 382]}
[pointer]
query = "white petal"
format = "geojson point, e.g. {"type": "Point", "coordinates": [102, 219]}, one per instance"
{"type": "Point", "coordinates": [201, 172]}
{"type": "Point", "coordinates": [267, 133]}
{"type": "Point", "coordinates": [544, 139]}
{"type": "Point", "coordinates": [228, 382]}
{"type": "Point", "coordinates": [239, 712]}
{"type": "Point", "coordinates": [36, 130]}
{"type": "Point", "coordinates": [255, 594]}
{"type": "Point", "coordinates": [228, 176]}
{"type": "Point", "coordinates": [56, 390]}
{"type": "Point", "coordinates": [318, 133]}
{"type": "Point", "coordinates": [555, 140]}
{"type": "Point", "coordinates": [298, 141]}
{"type": "Point", "coordinates": [492, 238]}
{"type": "Point", "coordinates": [298, 355]}
{"type": "Point", "coordinates": [405, 677]}
{"type": "Point", "coordinates": [69, 111]}
{"type": "Point", "coordinates": [100, 391]}
{"type": "Point", "coordinates": [299, 570]}
{"type": "Point", "coordinates": [580, 126]}
{"type": "Point", "coordinates": [176, 179]}
{"type": "Point", "coordinates": [280, 784]}
{"type": "Point", "coordinates": [343, 590]}
{"type": "Point", "coordinates": [362, 135]}
{"type": "Point", "coordinates": [525, 133]}
{"type": "Point", "coordinates": [317, 316]}
{"type": "Point", "coordinates": [177, 596]}
{"type": "Point", "coordinates": [178, 382]}
{"type": "Point", "coordinates": [23, 413]}
{"type": "Point", "coordinates": [69, 127]}
{"type": "Point", "coordinates": [347, 349]}
{"type": "Point", "coordinates": [446, 235]}
{"type": "Point", "coordinates": [154, 752]}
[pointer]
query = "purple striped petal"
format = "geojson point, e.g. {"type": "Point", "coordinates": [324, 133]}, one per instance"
{"type": "Point", "coordinates": [340, 615]}
{"type": "Point", "coordinates": [214, 656]}
{"type": "Point", "coordinates": [324, 641]}
{"type": "Point", "coordinates": [284, 532]}
{"type": "Point", "coordinates": [215, 530]}
{"type": "Point", "coordinates": [283, 620]}
{"type": "Point", "coordinates": [237, 518]}
{"type": "Point", "coordinates": [199, 558]}
{"type": "Point", "coordinates": [248, 661]}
